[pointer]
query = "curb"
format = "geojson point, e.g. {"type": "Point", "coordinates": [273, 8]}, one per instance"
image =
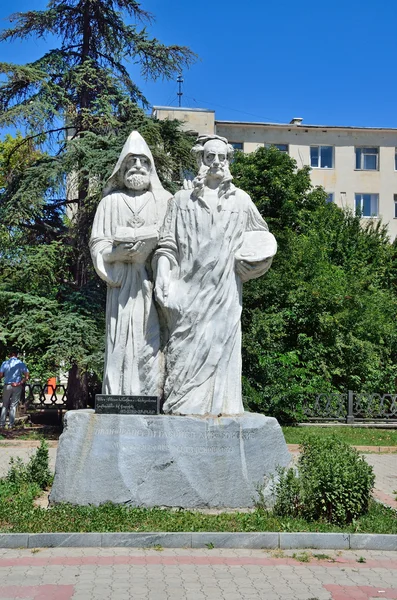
{"type": "Point", "coordinates": [267, 540]}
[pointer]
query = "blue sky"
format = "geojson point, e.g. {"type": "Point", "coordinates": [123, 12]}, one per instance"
{"type": "Point", "coordinates": [331, 63]}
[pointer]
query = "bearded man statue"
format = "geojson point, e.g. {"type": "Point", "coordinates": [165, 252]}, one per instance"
{"type": "Point", "coordinates": [213, 240]}
{"type": "Point", "coordinates": [124, 235]}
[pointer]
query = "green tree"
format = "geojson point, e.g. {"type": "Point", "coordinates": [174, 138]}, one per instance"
{"type": "Point", "coordinates": [324, 317]}
{"type": "Point", "coordinates": [16, 154]}
{"type": "Point", "coordinates": [76, 104]}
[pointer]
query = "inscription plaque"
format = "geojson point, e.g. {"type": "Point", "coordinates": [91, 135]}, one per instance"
{"type": "Point", "coordinates": [107, 404]}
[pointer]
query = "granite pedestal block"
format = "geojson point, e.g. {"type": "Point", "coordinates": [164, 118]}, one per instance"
{"type": "Point", "coordinates": [175, 461]}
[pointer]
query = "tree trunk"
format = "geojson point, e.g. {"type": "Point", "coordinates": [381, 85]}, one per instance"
{"type": "Point", "coordinates": [77, 394]}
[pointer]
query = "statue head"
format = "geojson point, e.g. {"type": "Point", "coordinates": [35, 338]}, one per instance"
{"type": "Point", "coordinates": [135, 172]}
{"type": "Point", "coordinates": [213, 156]}
{"type": "Point", "coordinates": [135, 168]}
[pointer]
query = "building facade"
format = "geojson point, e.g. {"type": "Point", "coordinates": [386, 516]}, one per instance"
{"type": "Point", "coordinates": [357, 166]}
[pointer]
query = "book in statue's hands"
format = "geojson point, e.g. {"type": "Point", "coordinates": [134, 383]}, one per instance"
{"type": "Point", "coordinates": [257, 246]}
{"type": "Point", "coordinates": [131, 235]}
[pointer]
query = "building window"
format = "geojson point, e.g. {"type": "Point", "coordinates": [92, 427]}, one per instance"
{"type": "Point", "coordinates": [395, 206]}
{"type": "Point", "coordinates": [395, 159]}
{"type": "Point", "coordinates": [322, 157]}
{"type": "Point", "coordinates": [281, 147]}
{"type": "Point", "coordinates": [330, 197]}
{"type": "Point", "coordinates": [367, 205]}
{"type": "Point", "coordinates": [237, 145]}
{"type": "Point", "coordinates": [367, 159]}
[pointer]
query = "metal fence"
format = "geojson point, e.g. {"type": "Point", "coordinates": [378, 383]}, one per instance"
{"type": "Point", "coordinates": [351, 407]}
{"type": "Point", "coordinates": [39, 396]}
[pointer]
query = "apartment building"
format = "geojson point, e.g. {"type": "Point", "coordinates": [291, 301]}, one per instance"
{"type": "Point", "coordinates": [357, 166]}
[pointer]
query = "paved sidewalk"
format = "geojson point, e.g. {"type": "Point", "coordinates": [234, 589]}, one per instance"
{"type": "Point", "coordinates": [123, 574]}
{"type": "Point", "coordinates": [385, 467]}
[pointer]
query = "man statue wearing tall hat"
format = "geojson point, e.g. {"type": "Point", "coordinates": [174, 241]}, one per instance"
{"type": "Point", "coordinates": [124, 235]}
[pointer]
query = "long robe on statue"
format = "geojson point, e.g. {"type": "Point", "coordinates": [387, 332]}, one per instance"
{"type": "Point", "coordinates": [133, 361]}
{"type": "Point", "coordinates": [203, 309]}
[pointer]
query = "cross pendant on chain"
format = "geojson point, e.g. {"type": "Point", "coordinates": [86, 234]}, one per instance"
{"type": "Point", "coordinates": [135, 221]}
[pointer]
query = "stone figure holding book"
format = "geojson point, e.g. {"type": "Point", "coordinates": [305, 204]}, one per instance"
{"type": "Point", "coordinates": [213, 240]}
{"type": "Point", "coordinates": [124, 235]}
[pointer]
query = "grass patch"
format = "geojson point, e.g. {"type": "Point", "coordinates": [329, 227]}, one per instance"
{"type": "Point", "coordinates": [321, 556]}
{"type": "Point", "coordinates": [302, 556]}
{"type": "Point", "coordinates": [18, 514]}
{"type": "Point", "coordinates": [356, 436]}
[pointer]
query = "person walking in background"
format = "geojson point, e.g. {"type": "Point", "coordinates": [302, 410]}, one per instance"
{"type": "Point", "coordinates": [15, 374]}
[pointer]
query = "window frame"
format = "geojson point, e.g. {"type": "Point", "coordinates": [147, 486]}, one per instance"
{"type": "Point", "coordinates": [362, 216]}
{"type": "Point", "coordinates": [332, 199]}
{"type": "Point", "coordinates": [234, 144]}
{"type": "Point", "coordinates": [377, 154]}
{"type": "Point", "coordinates": [274, 145]}
{"type": "Point", "coordinates": [319, 146]}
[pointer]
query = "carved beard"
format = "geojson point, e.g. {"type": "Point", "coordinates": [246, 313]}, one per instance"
{"type": "Point", "coordinates": [211, 171]}
{"type": "Point", "coordinates": [137, 181]}
{"type": "Point", "coordinates": [225, 184]}
{"type": "Point", "coordinates": [204, 172]}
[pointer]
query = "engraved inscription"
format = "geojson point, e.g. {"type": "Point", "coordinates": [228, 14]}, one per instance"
{"type": "Point", "coordinates": [177, 449]}
{"type": "Point", "coordinates": [127, 405]}
{"type": "Point", "coordinates": [208, 435]}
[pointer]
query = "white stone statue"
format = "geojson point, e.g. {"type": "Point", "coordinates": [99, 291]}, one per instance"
{"type": "Point", "coordinates": [213, 240]}
{"type": "Point", "coordinates": [124, 234]}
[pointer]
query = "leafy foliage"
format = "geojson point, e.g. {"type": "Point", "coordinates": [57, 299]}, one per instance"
{"type": "Point", "coordinates": [324, 317]}
{"type": "Point", "coordinates": [35, 472]}
{"type": "Point", "coordinates": [332, 482]}
{"type": "Point", "coordinates": [16, 154]}
{"type": "Point", "coordinates": [76, 105]}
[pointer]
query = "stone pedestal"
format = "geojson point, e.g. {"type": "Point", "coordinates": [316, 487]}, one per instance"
{"type": "Point", "coordinates": [189, 462]}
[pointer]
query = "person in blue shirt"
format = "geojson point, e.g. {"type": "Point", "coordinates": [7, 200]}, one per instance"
{"type": "Point", "coordinates": [15, 374]}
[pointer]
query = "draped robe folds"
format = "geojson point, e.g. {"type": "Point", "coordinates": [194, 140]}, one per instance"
{"type": "Point", "coordinates": [133, 362]}
{"type": "Point", "coordinates": [203, 309]}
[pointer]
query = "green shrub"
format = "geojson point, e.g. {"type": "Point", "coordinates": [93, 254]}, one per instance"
{"type": "Point", "coordinates": [287, 491]}
{"type": "Point", "coordinates": [38, 470]}
{"type": "Point", "coordinates": [16, 472]}
{"type": "Point", "coordinates": [35, 471]}
{"type": "Point", "coordinates": [332, 482]}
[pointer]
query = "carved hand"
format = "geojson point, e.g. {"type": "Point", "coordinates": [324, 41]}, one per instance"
{"type": "Point", "coordinates": [162, 280]}
{"type": "Point", "coordinates": [244, 268]}
{"type": "Point", "coordinates": [123, 252]}
{"type": "Point", "coordinates": [187, 184]}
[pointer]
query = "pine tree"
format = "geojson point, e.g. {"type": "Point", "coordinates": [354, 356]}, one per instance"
{"type": "Point", "coordinates": [75, 105]}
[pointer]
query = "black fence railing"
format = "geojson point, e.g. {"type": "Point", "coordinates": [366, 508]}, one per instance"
{"type": "Point", "coordinates": [38, 396]}
{"type": "Point", "coordinates": [351, 407]}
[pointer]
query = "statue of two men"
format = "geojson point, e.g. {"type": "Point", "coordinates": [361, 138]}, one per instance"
{"type": "Point", "coordinates": [198, 248]}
